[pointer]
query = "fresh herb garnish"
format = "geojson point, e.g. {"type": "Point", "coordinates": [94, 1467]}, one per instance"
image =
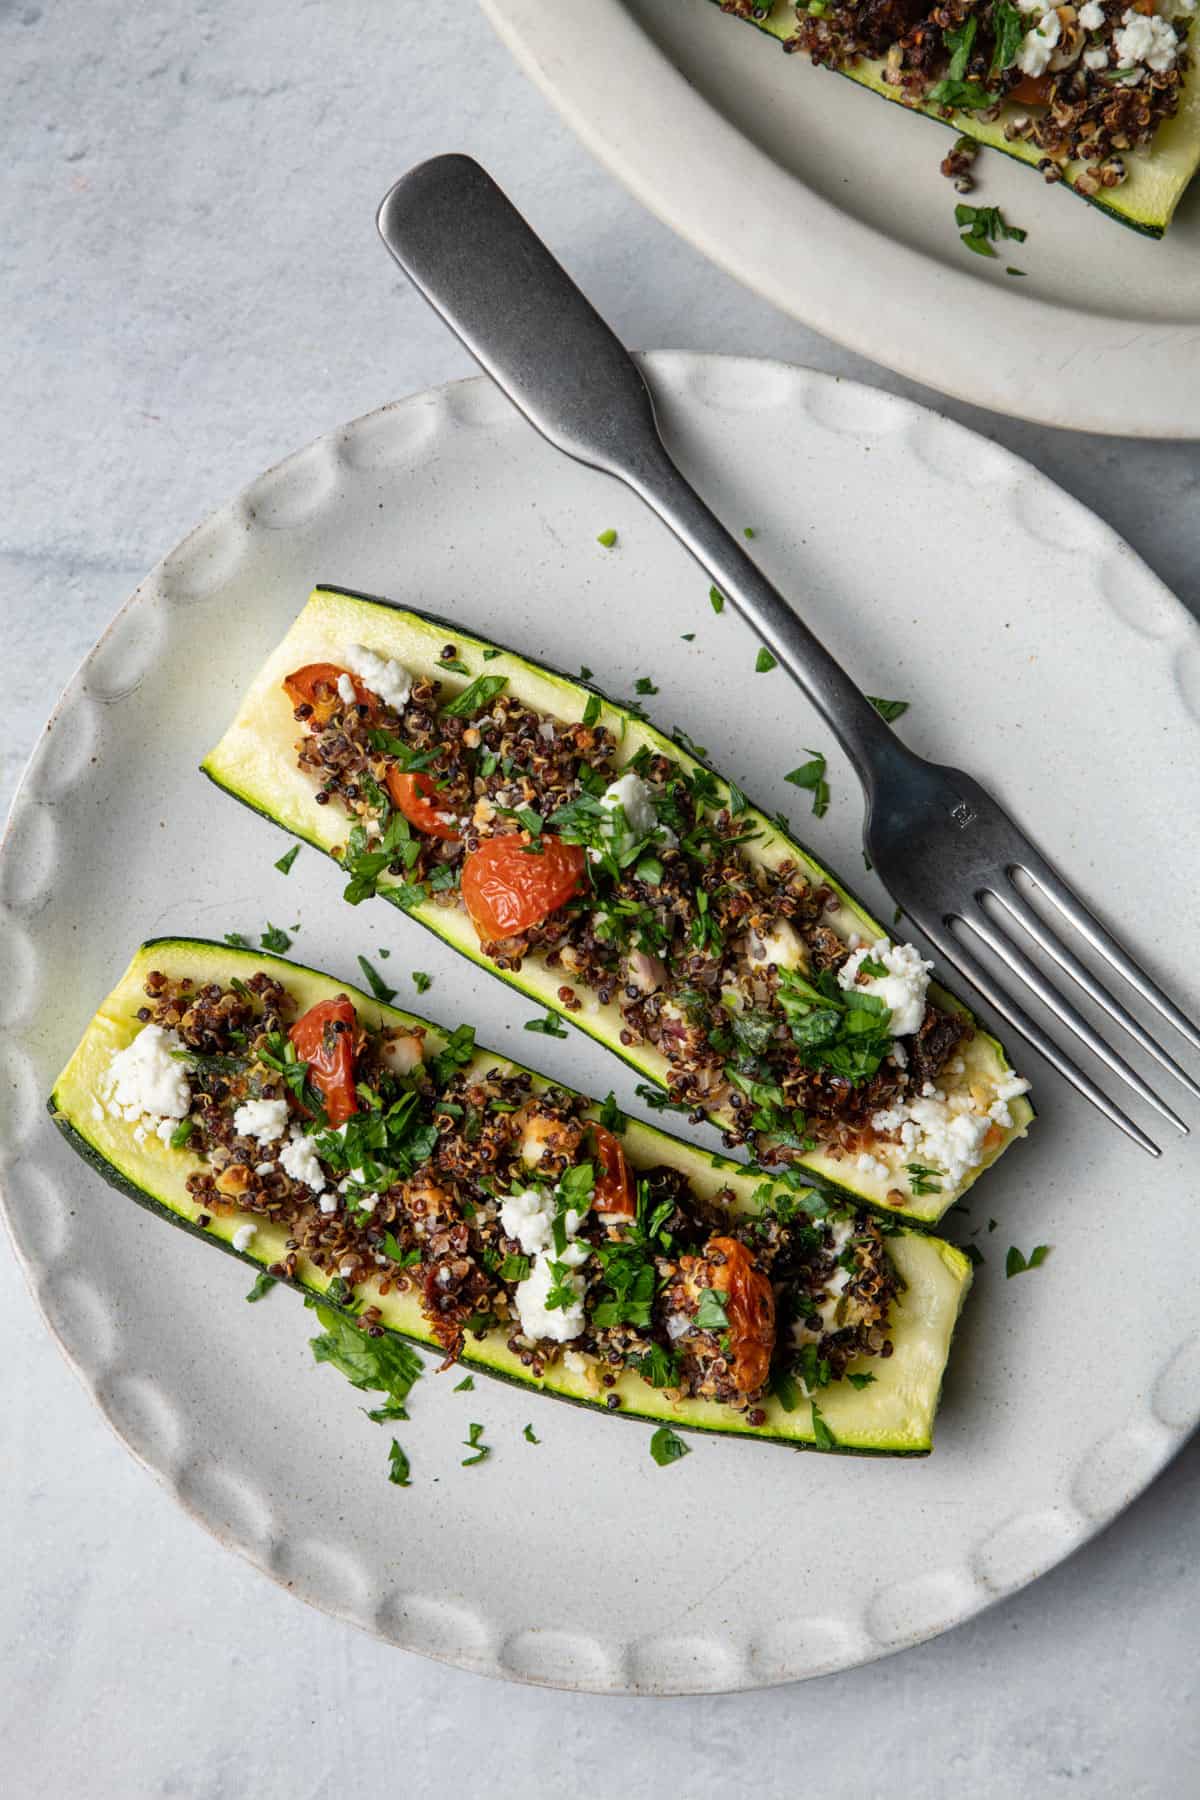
{"type": "Point", "coordinates": [1016, 1264]}
{"type": "Point", "coordinates": [182, 1133]}
{"type": "Point", "coordinates": [473, 1441]}
{"type": "Point", "coordinates": [923, 1180]}
{"type": "Point", "coordinates": [607, 538]}
{"type": "Point", "coordinates": [748, 531]}
{"type": "Point", "coordinates": [515, 1267]}
{"type": "Point", "coordinates": [529, 1435]}
{"type": "Point", "coordinates": [667, 1447]}
{"type": "Point", "coordinates": [550, 1026]}
{"type": "Point", "coordinates": [764, 662]}
{"type": "Point", "coordinates": [381, 1365]}
{"type": "Point", "coordinates": [657, 1366]}
{"type": "Point", "coordinates": [811, 776]}
{"type": "Point", "coordinates": [785, 1390]}
{"type": "Point", "coordinates": [716, 599]}
{"type": "Point", "coordinates": [287, 859]}
{"type": "Point", "coordinates": [822, 1435]}
{"type": "Point", "coordinates": [888, 709]}
{"type": "Point", "coordinates": [973, 1255]}
{"type": "Point", "coordinates": [398, 1466]}
{"type": "Point", "coordinates": [982, 225]}
{"type": "Point", "coordinates": [844, 1030]}
{"type": "Point", "coordinates": [375, 981]}
{"type": "Point", "coordinates": [710, 1313]}
{"type": "Point", "coordinates": [262, 1285]}
{"type": "Point", "coordinates": [365, 859]}
{"type": "Point", "coordinates": [1008, 25]}
{"type": "Point", "coordinates": [611, 1116]}
{"type": "Point", "coordinates": [466, 1385]}
{"type": "Point", "coordinates": [275, 939]}
{"type": "Point", "coordinates": [644, 685]}
{"type": "Point", "coordinates": [481, 693]}
{"type": "Point", "coordinates": [421, 981]}
{"type": "Point", "coordinates": [658, 1101]}
{"type": "Point", "coordinates": [391, 1247]}
{"type": "Point", "coordinates": [860, 1381]}
{"type": "Point", "coordinates": [591, 711]}
{"type": "Point", "coordinates": [689, 637]}
{"type": "Point", "coordinates": [238, 941]}
{"type": "Point", "coordinates": [813, 1369]}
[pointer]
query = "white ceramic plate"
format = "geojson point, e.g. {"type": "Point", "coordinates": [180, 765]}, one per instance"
{"type": "Point", "coordinates": [1034, 648]}
{"type": "Point", "coordinates": [828, 202]}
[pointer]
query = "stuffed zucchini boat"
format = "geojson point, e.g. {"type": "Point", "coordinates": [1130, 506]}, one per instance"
{"type": "Point", "coordinates": [1099, 96]}
{"type": "Point", "coordinates": [442, 1193]}
{"type": "Point", "coordinates": [596, 865]}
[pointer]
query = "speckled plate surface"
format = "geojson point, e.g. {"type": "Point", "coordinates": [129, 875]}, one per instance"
{"type": "Point", "coordinates": [1034, 648]}
{"type": "Point", "coordinates": [827, 201]}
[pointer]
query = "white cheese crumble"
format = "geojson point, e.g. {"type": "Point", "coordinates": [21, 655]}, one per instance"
{"type": "Point", "coordinates": [144, 1081]}
{"type": "Point", "coordinates": [1033, 58]}
{"type": "Point", "coordinates": [243, 1237]}
{"type": "Point", "coordinates": [1091, 15]}
{"type": "Point", "coordinates": [632, 794]}
{"type": "Point", "coordinates": [948, 1136]}
{"type": "Point", "coordinates": [390, 680]}
{"type": "Point", "coordinates": [346, 689]}
{"type": "Point", "coordinates": [1145, 39]}
{"type": "Point", "coordinates": [529, 1217]}
{"type": "Point", "coordinates": [867, 1164]}
{"type": "Point", "coordinates": [902, 989]}
{"type": "Point", "coordinates": [264, 1168]}
{"type": "Point", "coordinates": [1095, 59]}
{"type": "Point", "coordinates": [263, 1120]}
{"type": "Point", "coordinates": [299, 1159]}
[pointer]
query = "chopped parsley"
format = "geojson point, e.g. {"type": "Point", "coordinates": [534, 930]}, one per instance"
{"type": "Point", "coordinates": [860, 1381]}
{"type": "Point", "coordinates": [611, 1116]}
{"type": "Point", "coordinates": [888, 709]}
{"type": "Point", "coordinates": [529, 1435]}
{"type": "Point", "coordinates": [716, 599]}
{"type": "Point", "coordinates": [822, 1435]}
{"type": "Point", "coordinates": [644, 685]}
{"type": "Point", "coordinates": [973, 1255]}
{"type": "Point", "coordinates": [811, 776]}
{"type": "Point", "coordinates": [491, 655]}
{"type": "Point", "coordinates": [657, 1366]}
{"type": "Point", "coordinates": [466, 1385]}
{"type": "Point", "coordinates": [237, 940]}
{"type": "Point", "coordinates": [365, 859]}
{"type": "Point", "coordinates": [481, 693]}
{"type": "Point", "coordinates": [968, 96]}
{"type": "Point", "coordinates": [421, 981]}
{"type": "Point", "coordinates": [550, 1026]}
{"type": "Point", "coordinates": [275, 939]}
{"type": "Point", "coordinates": [455, 665]}
{"type": "Point", "coordinates": [667, 1447]}
{"type": "Point", "coordinates": [591, 711]}
{"type": "Point", "coordinates": [748, 531]}
{"type": "Point", "coordinates": [785, 1390]}
{"type": "Point", "coordinates": [399, 1472]}
{"type": "Point", "coordinates": [607, 538]}
{"type": "Point", "coordinates": [182, 1133]}
{"type": "Point", "coordinates": [382, 1365]}
{"type": "Point", "coordinates": [375, 981]}
{"type": "Point", "coordinates": [1016, 1264]}
{"type": "Point", "coordinates": [923, 1180]}
{"type": "Point", "coordinates": [980, 226]}
{"type": "Point", "coordinates": [1009, 26]}
{"type": "Point", "coordinates": [262, 1285]}
{"type": "Point", "coordinates": [689, 637]}
{"type": "Point", "coordinates": [474, 1441]}
{"type": "Point", "coordinates": [287, 859]}
{"type": "Point", "coordinates": [514, 1267]}
{"type": "Point", "coordinates": [710, 1314]}
{"type": "Point", "coordinates": [764, 662]}
{"type": "Point", "coordinates": [844, 1030]}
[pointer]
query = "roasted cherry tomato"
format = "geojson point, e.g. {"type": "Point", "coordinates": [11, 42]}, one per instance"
{"type": "Point", "coordinates": [614, 1187]}
{"type": "Point", "coordinates": [506, 888]}
{"type": "Point", "coordinates": [1031, 90]}
{"type": "Point", "coordinates": [750, 1309]}
{"type": "Point", "coordinates": [315, 685]}
{"type": "Point", "coordinates": [418, 799]}
{"type": "Point", "coordinates": [324, 1039]}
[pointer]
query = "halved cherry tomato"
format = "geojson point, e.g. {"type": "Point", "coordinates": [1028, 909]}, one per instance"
{"type": "Point", "coordinates": [417, 797]}
{"type": "Point", "coordinates": [1031, 90]}
{"type": "Point", "coordinates": [506, 888]}
{"type": "Point", "coordinates": [301, 689]}
{"type": "Point", "coordinates": [614, 1188]}
{"type": "Point", "coordinates": [324, 1039]}
{"type": "Point", "coordinates": [750, 1309]}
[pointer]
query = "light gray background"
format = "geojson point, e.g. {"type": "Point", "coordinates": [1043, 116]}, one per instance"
{"type": "Point", "coordinates": [190, 288]}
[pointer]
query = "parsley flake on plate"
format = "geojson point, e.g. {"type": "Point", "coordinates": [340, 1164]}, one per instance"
{"type": "Point", "coordinates": [716, 599]}
{"type": "Point", "coordinates": [1016, 1264]}
{"type": "Point", "coordinates": [262, 1285]}
{"type": "Point", "coordinates": [275, 939]}
{"type": "Point", "coordinates": [811, 776]}
{"type": "Point", "coordinates": [375, 981]}
{"type": "Point", "coordinates": [822, 1434]}
{"type": "Point", "coordinates": [529, 1436]}
{"type": "Point", "coordinates": [764, 662]}
{"type": "Point", "coordinates": [667, 1447]}
{"type": "Point", "coordinates": [607, 538]}
{"type": "Point", "coordinates": [550, 1026]}
{"type": "Point", "coordinates": [285, 862]}
{"type": "Point", "coordinates": [474, 1441]}
{"type": "Point", "coordinates": [398, 1466]}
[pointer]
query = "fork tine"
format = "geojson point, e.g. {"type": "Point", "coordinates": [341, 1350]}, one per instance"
{"type": "Point", "coordinates": [1001, 945]}
{"type": "Point", "coordinates": [1102, 940]}
{"type": "Point", "coordinates": [1015, 1015]}
{"type": "Point", "coordinates": [1020, 910]}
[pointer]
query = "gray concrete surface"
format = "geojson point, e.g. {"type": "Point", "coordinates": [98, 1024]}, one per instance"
{"type": "Point", "coordinates": [190, 287]}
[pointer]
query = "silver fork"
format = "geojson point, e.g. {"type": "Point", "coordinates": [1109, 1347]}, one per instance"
{"type": "Point", "coordinates": [941, 845]}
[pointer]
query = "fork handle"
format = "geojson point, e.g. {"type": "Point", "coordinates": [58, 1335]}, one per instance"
{"type": "Point", "coordinates": [467, 249]}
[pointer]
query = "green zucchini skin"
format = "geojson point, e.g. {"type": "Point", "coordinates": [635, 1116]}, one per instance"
{"type": "Point", "coordinates": [893, 1416]}
{"type": "Point", "coordinates": [253, 762]}
{"type": "Point", "coordinates": [1166, 168]}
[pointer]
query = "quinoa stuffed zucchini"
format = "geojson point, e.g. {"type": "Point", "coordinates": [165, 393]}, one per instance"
{"type": "Point", "coordinates": [600, 868]}
{"type": "Point", "coordinates": [1100, 96]}
{"type": "Point", "coordinates": [438, 1192]}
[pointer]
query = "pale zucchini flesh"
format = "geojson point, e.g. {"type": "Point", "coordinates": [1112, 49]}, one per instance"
{"type": "Point", "coordinates": [256, 763]}
{"type": "Point", "coordinates": [1157, 176]}
{"type": "Point", "coordinates": [892, 1416]}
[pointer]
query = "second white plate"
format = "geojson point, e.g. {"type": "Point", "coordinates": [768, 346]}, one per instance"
{"type": "Point", "coordinates": [828, 202]}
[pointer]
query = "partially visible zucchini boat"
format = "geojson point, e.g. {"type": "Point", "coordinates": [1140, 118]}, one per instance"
{"type": "Point", "coordinates": [436, 1191]}
{"type": "Point", "coordinates": [566, 844]}
{"type": "Point", "coordinates": [1100, 96]}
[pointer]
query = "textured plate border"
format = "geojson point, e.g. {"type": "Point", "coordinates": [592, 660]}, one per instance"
{"type": "Point", "coordinates": [143, 1412]}
{"type": "Point", "coordinates": [1059, 365]}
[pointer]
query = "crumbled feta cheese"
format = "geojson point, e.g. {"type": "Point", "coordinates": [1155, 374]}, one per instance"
{"type": "Point", "coordinates": [564, 1322]}
{"type": "Point", "coordinates": [902, 989]}
{"type": "Point", "coordinates": [263, 1120]}
{"type": "Point", "coordinates": [346, 690]}
{"type": "Point", "coordinates": [390, 680]}
{"type": "Point", "coordinates": [632, 795]}
{"type": "Point", "coordinates": [781, 945]}
{"type": "Point", "coordinates": [1145, 39]}
{"type": "Point", "coordinates": [144, 1080]}
{"type": "Point", "coordinates": [945, 1138]}
{"type": "Point", "coordinates": [1010, 1085]}
{"type": "Point", "coordinates": [546, 730]}
{"type": "Point", "coordinates": [166, 1129]}
{"type": "Point", "coordinates": [899, 1054]}
{"type": "Point", "coordinates": [527, 1216]}
{"type": "Point", "coordinates": [328, 1202]}
{"type": "Point", "coordinates": [1095, 59]}
{"type": "Point", "coordinates": [872, 1165]}
{"type": "Point", "coordinates": [575, 1361]}
{"type": "Point", "coordinates": [1091, 16]}
{"type": "Point", "coordinates": [243, 1237]}
{"type": "Point", "coordinates": [1033, 58]}
{"type": "Point", "coordinates": [263, 1168]}
{"type": "Point", "coordinates": [299, 1159]}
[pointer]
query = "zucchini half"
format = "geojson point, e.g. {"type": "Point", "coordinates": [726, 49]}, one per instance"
{"type": "Point", "coordinates": [892, 1416]}
{"type": "Point", "coordinates": [1156, 179]}
{"type": "Point", "coordinates": [255, 762]}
